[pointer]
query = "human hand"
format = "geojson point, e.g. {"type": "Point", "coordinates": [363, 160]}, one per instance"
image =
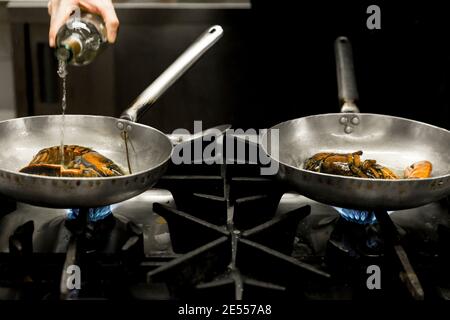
{"type": "Point", "coordinates": [60, 11]}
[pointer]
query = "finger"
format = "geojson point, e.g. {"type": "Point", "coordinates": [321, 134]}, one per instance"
{"type": "Point", "coordinates": [58, 18]}
{"type": "Point", "coordinates": [89, 6]}
{"type": "Point", "coordinates": [111, 21]}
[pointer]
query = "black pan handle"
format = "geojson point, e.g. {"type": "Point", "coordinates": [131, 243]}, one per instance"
{"type": "Point", "coordinates": [348, 92]}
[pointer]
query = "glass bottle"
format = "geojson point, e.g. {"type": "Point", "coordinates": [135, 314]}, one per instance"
{"type": "Point", "coordinates": [80, 39]}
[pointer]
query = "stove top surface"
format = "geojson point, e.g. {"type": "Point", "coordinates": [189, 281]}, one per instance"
{"type": "Point", "coordinates": [422, 231]}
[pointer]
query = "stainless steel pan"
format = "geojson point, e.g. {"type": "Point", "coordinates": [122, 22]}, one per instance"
{"type": "Point", "coordinates": [393, 142]}
{"type": "Point", "coordinates": [149, 149]}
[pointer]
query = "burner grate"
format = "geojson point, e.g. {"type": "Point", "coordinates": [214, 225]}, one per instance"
{"type": "Point", "coordinates": [233, 244]}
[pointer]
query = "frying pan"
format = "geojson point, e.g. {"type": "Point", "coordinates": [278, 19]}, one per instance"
{"type": "Point", "coordinates": [394, 142]}
{"type": "Point", "coordinates": [149, 149]}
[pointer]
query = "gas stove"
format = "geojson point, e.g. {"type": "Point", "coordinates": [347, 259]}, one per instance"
{"type": "Point", "coordinates": [223, 232]}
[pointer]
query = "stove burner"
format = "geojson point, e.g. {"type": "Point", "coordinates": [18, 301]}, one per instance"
{"type": "Point", "coordinates": [357, 216]}
{"type": "Point", "coordinates": [353, 247]}
{"type": "Point", "coordinates": [356, 240]}
{"type": "Point", "coordinates": [94, 214]}
{"type": "Point", "coordinates": [92, 226]}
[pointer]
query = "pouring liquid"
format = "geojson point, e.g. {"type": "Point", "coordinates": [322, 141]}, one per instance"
{"type": "Point", "coordinates": [62, 73]}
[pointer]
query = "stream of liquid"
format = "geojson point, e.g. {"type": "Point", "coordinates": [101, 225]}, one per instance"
{"type": "Point", "coordinates": [62, 72]}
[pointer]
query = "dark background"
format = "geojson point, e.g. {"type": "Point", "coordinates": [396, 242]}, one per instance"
{"type": "Point", "coordinates": [275, 62]}
{"type": "Point", "coordinates": [402, 69]}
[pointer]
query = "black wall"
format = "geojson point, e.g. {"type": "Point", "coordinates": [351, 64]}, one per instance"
{"type": "Point", "coordinates": [402, 69]}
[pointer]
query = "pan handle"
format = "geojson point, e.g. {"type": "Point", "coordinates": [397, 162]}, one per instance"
{"type": "Point", "coordinates": [149, 96]}
{"type": "Point", "coordinates": [348, 92]}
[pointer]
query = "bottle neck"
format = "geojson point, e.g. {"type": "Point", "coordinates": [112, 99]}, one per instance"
{"type": "Point", "coordinates": [69, 48]}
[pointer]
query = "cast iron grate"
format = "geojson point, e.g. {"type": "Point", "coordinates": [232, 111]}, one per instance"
{"type": "Point", "coordinates": [233, 244]}
{"type": "Point", "coordinates": [42, 276]}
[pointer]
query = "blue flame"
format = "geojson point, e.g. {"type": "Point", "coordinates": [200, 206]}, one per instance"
{"type": "Point", "coordinates": [358, 216]}
{"type": "Point", "coordinates": [95, 214]}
